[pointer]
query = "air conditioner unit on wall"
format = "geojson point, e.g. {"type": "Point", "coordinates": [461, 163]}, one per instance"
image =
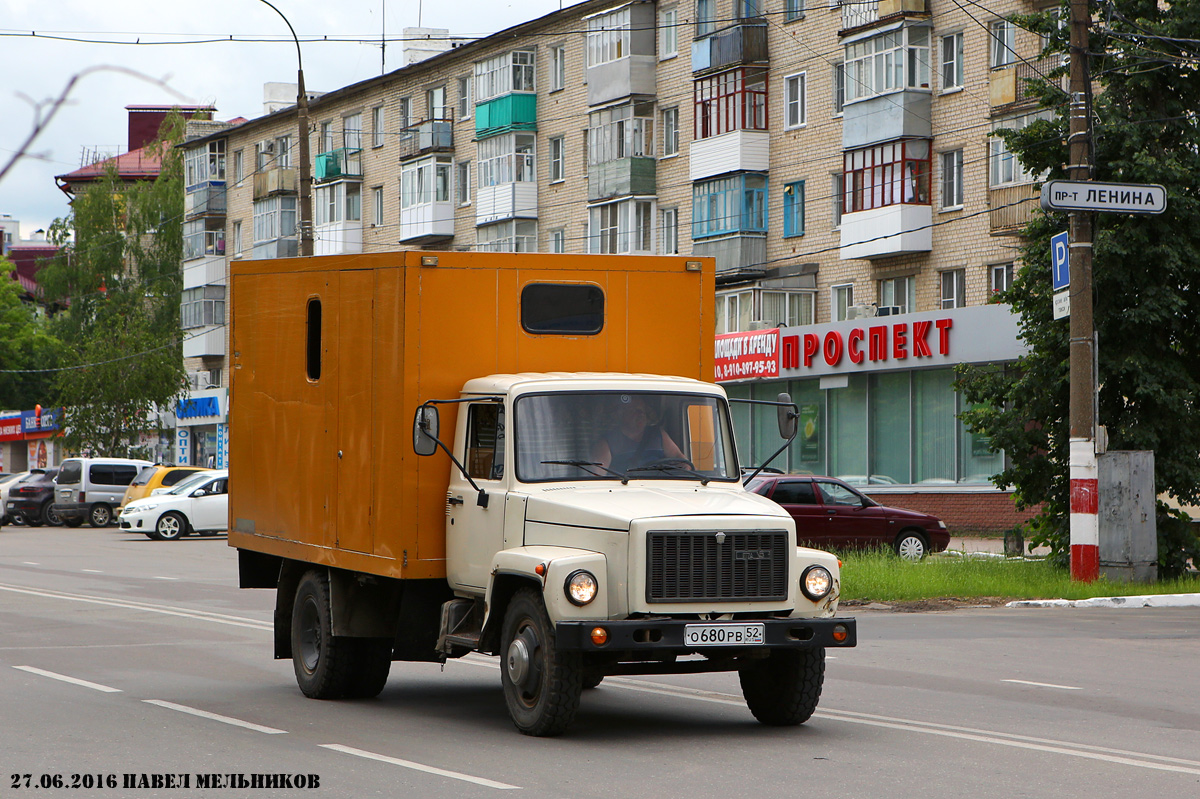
{"type": "Point", "coordinates": [888, 310]}
{"type": "Point", "coordinates": [860, 311]}
{"type": "Point", "coordinates": [761, 324]}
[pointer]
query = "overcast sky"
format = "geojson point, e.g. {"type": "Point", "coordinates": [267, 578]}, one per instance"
{"type": "Point", "coordinates": [227, 74]}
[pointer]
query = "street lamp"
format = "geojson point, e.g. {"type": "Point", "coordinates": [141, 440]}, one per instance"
{"type": "Point", "coordinates": [306, 239]}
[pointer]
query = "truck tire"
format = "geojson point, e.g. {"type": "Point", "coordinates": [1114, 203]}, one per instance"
{"type": "Point", "coordinates": [541, 684]}
{"type": "Point", "coordinates": [783, 690]}
{"type": "Point", "coordinates": [322, 661]}
{"type": "Point", "coordinates": [370, 662]}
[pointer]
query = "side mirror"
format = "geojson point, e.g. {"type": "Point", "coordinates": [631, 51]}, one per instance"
{"type": "Point", "coordinates": [425, 430]}
{"type": "Point", "coordinates": [788, 414]}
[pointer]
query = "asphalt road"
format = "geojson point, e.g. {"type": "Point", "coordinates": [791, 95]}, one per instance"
{"type": "Point", "coordinates": [123, 656]}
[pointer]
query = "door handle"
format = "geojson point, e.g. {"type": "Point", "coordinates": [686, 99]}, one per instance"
{"type": "Point", "coordinates": [454, 500]}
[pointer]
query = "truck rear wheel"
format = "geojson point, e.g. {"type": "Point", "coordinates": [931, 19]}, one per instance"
{"type": "Point", "coordinates": [370, 662]}
{"type": "Point", "coordinates": [783, 690]}
{"type": "Point", "coordinates": [541, 684]}
{"type": "Point", "coordinates": [322, 660]}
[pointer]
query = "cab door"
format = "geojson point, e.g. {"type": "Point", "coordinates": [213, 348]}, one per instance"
{"type": "Point", "coordinates": [474, 533]}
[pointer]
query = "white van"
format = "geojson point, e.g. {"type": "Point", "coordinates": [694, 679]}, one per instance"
{"type": "Point", "coordinates": [89, 488]}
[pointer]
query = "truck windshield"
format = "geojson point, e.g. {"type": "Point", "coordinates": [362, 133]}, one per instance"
{"type": "Point", "coordinates": [609, 435]}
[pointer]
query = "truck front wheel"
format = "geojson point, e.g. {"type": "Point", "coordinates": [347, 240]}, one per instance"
{"type": "Point", "coordinates": [322, 660]}
{"type": "Point", "coordinates": [783, 690]}
{"type": "Point", "coordinates": [541, 685]}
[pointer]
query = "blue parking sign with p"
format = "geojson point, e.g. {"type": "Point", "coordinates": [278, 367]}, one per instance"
{"type": "Point", "coordinates": [1060, 261]}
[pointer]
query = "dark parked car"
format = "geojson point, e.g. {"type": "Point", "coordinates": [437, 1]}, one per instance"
{"type": "Point", "coordinates": [831, 514]}
{"type": "Point", "coordinates": [32, 499]}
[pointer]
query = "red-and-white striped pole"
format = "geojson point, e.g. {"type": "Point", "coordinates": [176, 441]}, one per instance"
{"type": "Point", "coordinates": [1085, 523]}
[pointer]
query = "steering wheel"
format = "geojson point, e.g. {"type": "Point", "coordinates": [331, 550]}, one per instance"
{"type": "Point", "coordinates": [665, 462]}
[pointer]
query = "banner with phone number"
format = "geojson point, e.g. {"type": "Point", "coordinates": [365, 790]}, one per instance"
{"type": "Point", "coordinates": [747, 355]}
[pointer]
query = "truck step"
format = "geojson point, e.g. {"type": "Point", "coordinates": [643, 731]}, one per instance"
{"type": "Point", "coordinates": [461, 625]}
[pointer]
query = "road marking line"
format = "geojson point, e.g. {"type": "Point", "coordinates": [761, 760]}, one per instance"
{"type": "Point", "coordinates": [92, 571]}
{"type": "Point", "coordinates": [30, 563]}
{"type": "Point", "coordinates": [164, 578]}
{"type": "Point", "coordinates": [202, 615]}
{"type": "Point", "coordinates": [73, 680]}
{"type": "Point", "coordinates": [1045, 685]}
{"type": "Point", "coordinates": [204, 714]}
{"type": "Point", "coordinates": [395, 761]}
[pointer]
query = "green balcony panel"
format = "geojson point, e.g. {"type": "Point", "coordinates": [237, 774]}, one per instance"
{"type": "Point", "coordinates": [505, 114]}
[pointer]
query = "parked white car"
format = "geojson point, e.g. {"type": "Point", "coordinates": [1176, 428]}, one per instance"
{"type": "Point", "coordinates": [199, 504]}
{"type": "Point", "coordinates": [6, 483]}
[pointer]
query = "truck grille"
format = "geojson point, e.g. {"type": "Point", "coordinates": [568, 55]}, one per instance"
{"type": "Point", "coordinates": [688, 565]}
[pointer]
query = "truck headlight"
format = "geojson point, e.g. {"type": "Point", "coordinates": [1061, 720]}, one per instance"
{"type": "Point", "coordinates": [816, 582]}
{"type": "Point", "coordinates": [581, 587]}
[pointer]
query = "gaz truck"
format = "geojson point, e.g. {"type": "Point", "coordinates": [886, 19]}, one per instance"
{"type": "Point", "coordinates": [519, 455]}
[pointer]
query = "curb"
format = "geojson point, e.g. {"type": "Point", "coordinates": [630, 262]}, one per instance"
{"type": "Point", "coordinates": [1146, 601]}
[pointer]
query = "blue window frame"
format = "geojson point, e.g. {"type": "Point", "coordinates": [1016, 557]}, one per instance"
{"type": "Point", "coordinates": [793, 209]}
{"type": "Point", "coordinates": [730, 204]}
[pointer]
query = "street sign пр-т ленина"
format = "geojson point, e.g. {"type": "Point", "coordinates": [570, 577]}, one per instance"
{"type": "Point", "coordinates": [1121, 198]}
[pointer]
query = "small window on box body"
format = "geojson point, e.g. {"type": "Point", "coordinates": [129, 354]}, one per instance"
{"type": "Point", "coordinates": [564, 309]}
{"type": "Point", "coordinates": [313, 348]}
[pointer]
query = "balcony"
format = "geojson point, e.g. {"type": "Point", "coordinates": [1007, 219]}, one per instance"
{"type": "Point", "coordinates": [205, 199]}
{"type": "Point", "coordinates": [203, 243]}
{"type": "Point", "coordinates": [1009, 87]}
{"type": "Point", "coordinates": [338, 238]}
{"type": "Point", "coordinates": [506, 201]}
{"type": "Point", "coordinates": [621, 177]}
{"type": "Point", "coordinates": [427, 223]}
{"type": "Point", "coordinates": [887, 117]}
{"type": "Point", "coordinates": [887, 231]}
{"type": "Point", "coordinates": [744, 43]}
{"type": "Point", "coordinates": [203, 344]}
{"type": "Point", "coordinates": [208, 271]}
{"type": "Point", "coordinates": [274, 181]}
{"type": "Point", "coordinates": [733, 252]}
{"type": "Point", "coordinates": [505, 114]}
{"type": "Point", "coordinates": [856, 14]}
{"type": "Point", "coordinates": [428, 136]}
{"type": "Point", "coordinates": [736, 151]}
{"type": "Point", "coordinates": [1007, 214]}
{"type": "Point", "coordinates": [339, 164]}
{"type": "Point", "coordinates": [276, 248]}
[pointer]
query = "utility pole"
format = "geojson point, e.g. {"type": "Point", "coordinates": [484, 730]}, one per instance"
{"type": "Point", "coordinates": [1084, 496]}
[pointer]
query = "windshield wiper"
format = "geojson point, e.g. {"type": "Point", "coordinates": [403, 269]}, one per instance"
{"type": "Point", "coordinates": [672, 465]}
{"type": "Point", "coordinates": [585, 464]}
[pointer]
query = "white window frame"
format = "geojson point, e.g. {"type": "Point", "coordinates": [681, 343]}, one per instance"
{"type": "Point", "coordinates": [890, 62]}
{"type": "Point", "coordinates": [608, 36]}
{"type": "Point", "coordinates": [1002, 43]}
{"type": "Point", "coordinates": [352, 131]}
{"type": "Point", "coordinates": [838, 81]}
{"type": "Point", "coordinates": [274, 218]}
{"type": "Point", "coordinates": [336, 202]}
{"type": "Point", "coordinates": [1000, 276]}
{"type": "Point", "coordinates": [734, 307]}
{"type": "Point", "coordinates": [951, 163]}
{"type": "Point", "coordinates": [426, 181]}
{"type": "Point", "coordinates": [951, 72]}
{"type": "Point", "coordinates": [239, 166]}
{"type": "Point", "coordinates": [624, 227]}
{"type": "Point", "coordinates": [899, 292]}
{"type": "Point", "coordinates": [799, 307]}
{"type": "Point", "coordinates": [558, 240]}
{"type": "Point", "coordinates": [377, 126]}
{"type": "Point", "coordinates": [462, 182]}
{"type": "Point", "coordinates": [464, 97]}
{"type": "Point", "coordinates": [1004, 168]}
{"type": "Point", "coordinates": [622, 131]}
{"type": "Point", "coordinates": [953, 289]}
{"type": "Point", "coordinates": [508, 73]}
{"type": "Point", "coordinates": [795, 101]}
{"type": "Point", "coordinates": [377, 205]}
{"type": "Point", "coordinates": [515, 235]}
{"type": "Point", "coordinates": [510, 158]}
{"type": "Point", "coordinates": [793, 10]}
{"type": "Point", "coordinates": [558, 167]}
{"type": "Point", "coordinates": [841, 300]}
{"type": "Point", "coordinates": [669, 231]}
{"type": "Point", "coordinates": [670, 132]}
{"type": "Point", "coordinates": [668, 22]}
{"type": "Point", "coordinates": [558, 67]}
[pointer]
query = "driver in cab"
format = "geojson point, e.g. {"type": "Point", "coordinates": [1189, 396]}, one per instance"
{"type": "Point", "coordinates": [635, 438]}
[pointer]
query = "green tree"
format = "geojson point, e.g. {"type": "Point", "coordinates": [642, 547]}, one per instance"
{"type": "Point", "coordinates": [1146, 277]}
{"type": "Point", "coordinates": [27, 349]}
{"type": "Point", "coordinates": [119, 285]}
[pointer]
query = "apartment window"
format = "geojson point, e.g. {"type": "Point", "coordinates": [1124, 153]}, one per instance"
{"type": "Point", "coordinates": [954, 292]}
{"type": "Point", "coordinates": [239, 167]}
{"type": "Point", "coordinates": [198, 241]}
{"type": "Point", "coordinates": [787, 308]}
{"type": "Point", "coordinates": [506, 159]}
{"type": "Point", "coordinates": [734, 311]}
{"type": "Point", "coordinates": [878, 65]}
{"type": "Point", "coordinates": [1001, 277]}
{"type": "Point", "coordinates": [670, 131]}
{"type": "Point", "coordinates": [896, 294]}
{"type": "Point", "coordinates": [202, 306]}
{"type": "Point", "coordinates": [283, 152]}
{"type": "Point", "coordinates": [669, 231]}
{"type": "Point", "coordinates": [558, 240]}
{"type": "Point", "coordinates": [1003, 39]}
{"type": "Point", "coordinates": [435, 103]}
{"type": "Point", "coordinates": [733, 100]}
{"type": "Point", "coordinates": [274, 217]}
{"type": "Point", "coordinates": [326, 137]}
{"type": "Point", "coordinates": [504, 74]}
{"type": "Point", "coordinates": [793, 9]}
{"type": "Point", "coordinates": [749, 9]}
{"type": "Point", "coordinates": [1005, 168]}
{"type": "Point", "coordinates": [237, 237]}
{"type": "Point", "coordinates": [462, 182]}
{"type": "Point", "coordinates": [377, 205]}
{"type": "Point", "coordinates": [464, 97]}
{"type": "Point", "coordinates": [377, 130]}
{"type": "Point", "coordinates": [887, 174]}
{"type": "Point", "coordinates": [952, 61]}
{"type": "Point", "coordinates": [424, 182]}
{"type": "Point", "coordinates": [404, 112]}
{"type": "Point", "coordinates": [837, 192]}
{"type": "Point", "coordinates": [839, 88]}
{"type": "Point", "coordinates": [556, 159]}
{"type": "Point", "coordinates": [668, 27]}
{"type": "Point", "coordinates": [952, 179]}
{"type": "Point", "coordinates": [337, 202]}
{"type": "Point", "coordinates": [624, 131]}
{"type": "Point", "coordinates": [625, 227]}
{"type": "Point", "coordinates": [205, 163]}
{"type": "Point", "coordinates": [518, 235]}
{"type": "Point", "coordinates": [352, 132]}
{"type": "Point", "coordinates": [264, 155]}
{"type": "Point", "coordinates": [733, 204]}
{"type": "Point", "coordinates": [558, 67]}
{"type": "Point", "coordinates": [795, 100]}
{"type": "Point", "coordinates": [706, 17]}
{"type": "Point", "coordinates": [608, 37]}
{"type": "Point", "coordinates": [793, 209]}
{"type": "Point", "coordinates": [842, 299]}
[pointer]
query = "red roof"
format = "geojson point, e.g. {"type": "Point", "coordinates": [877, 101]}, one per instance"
{"type": "Point", "coordinates": [140, 164]}
{"type": "Point", "coordinates": [27, 260]}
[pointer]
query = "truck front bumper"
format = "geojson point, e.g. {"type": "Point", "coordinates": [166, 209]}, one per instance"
{"type": "Point", "coordinates": [660, 634]}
